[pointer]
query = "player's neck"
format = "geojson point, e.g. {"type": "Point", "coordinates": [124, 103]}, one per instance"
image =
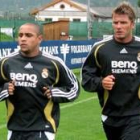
{"type": "Point", "coordinates": [124, 40]}
{"type": "Point", "coordinates": [30, 54]}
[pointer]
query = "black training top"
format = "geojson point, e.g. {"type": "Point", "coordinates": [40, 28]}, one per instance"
{"type": "Point", "coordinates": [28, 108]}
{"type": "Point", "coordinates": [121, 60]}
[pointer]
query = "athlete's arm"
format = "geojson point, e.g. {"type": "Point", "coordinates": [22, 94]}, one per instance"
{"type": "Point", "coordinates": [4, 82]}
{"type": "Point", "coordinates": [67, 87]}
{"type": "Point", "coordinates": [91, 74]}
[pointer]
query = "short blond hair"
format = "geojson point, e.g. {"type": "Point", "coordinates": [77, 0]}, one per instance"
{"type": "Point", "coordinates": [126, 9]}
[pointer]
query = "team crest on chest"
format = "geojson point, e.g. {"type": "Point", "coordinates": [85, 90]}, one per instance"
{"type": "Point", "coordinates": [45, 73]}
{"type": "Point", "coordinates": [138, 56]}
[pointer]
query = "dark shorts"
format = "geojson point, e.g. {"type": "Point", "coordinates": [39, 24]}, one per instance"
{"type": "Point", "coordinates": [19, 135]}
{"type": "Point", "coordinates": [129, 130]}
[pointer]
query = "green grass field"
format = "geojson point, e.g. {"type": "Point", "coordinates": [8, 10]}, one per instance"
{"type": "Point", "coordinates": [80, 120]}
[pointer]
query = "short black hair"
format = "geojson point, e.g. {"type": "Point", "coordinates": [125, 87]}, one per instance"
{"type": "Point", "coordinates": [37, 26]}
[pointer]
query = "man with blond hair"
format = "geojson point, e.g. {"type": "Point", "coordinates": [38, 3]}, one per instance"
{"type": "Point", "coordinates": [112, 69]}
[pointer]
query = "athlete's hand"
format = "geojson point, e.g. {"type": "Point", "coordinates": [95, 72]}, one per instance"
{"type": "Point", "coordinates": [11, 87]}
{"type": "Point", "coordinates": [108, 82]}
{"type": "Point", "coordinates": [47, 92]}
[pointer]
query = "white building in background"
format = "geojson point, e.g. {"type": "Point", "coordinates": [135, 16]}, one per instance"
{"type": "Point", "coordinates": [64, 9]}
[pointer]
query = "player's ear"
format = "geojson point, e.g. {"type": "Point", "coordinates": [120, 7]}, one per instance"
{"type": "Point", "coordinates": [133, 25]}
{"type": "Point", "coordinates": [40, 37]}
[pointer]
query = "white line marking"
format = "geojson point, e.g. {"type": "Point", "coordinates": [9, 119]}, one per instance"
{"type": "Point", "coordinates": [79, 102]}
{"type": "Point", "coordinates": [65, 106]}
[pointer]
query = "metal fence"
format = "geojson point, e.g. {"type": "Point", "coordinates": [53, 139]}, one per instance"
{"type": "Point", "coordinates": [78, 30]}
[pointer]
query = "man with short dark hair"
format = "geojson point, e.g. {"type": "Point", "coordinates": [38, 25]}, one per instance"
{"type": "Point", "coordinates": [33, 83]}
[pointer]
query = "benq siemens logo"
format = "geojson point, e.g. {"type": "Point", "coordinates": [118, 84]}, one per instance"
{"type": "Point", "coordinates": [24, 79]}
{"type": "Point", "coordinates": [124, 67]}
